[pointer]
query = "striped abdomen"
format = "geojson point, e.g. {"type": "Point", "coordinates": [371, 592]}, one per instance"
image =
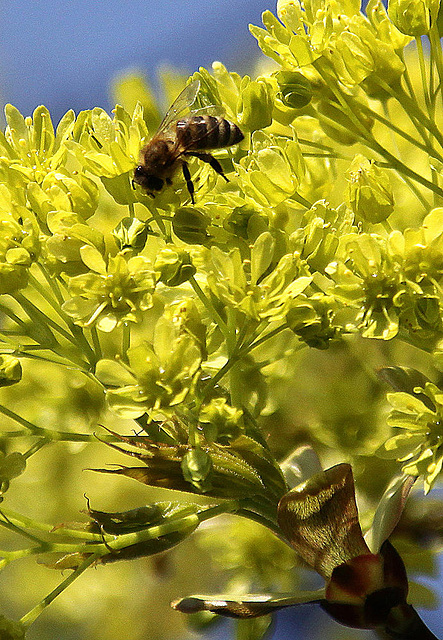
{"type": "Point", "coordinates": [207, 132]}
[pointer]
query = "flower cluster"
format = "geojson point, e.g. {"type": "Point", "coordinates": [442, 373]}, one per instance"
{"type": "Point", "coordinates": [418, 444]}
{"type": "Point", "coordinates": [161, 374]}
{"type": "Point", "coordinates": [224, 328]}
{"type": "Point", "coordinates": [110, 294]}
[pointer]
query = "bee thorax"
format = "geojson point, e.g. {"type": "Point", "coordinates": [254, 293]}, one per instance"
{"type": "Point", "coordinates": [156, 156]}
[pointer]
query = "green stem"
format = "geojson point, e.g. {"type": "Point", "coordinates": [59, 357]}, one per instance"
{"type": "Point", "coordinates": [120, 542]}
{"type": "Point", "coordinates": [32, 615]}
{"type": "Point", "coordinates": [55, 436]}
{"type": "Point", "coordinates": [20, 522]}
{"type": "Point", "coordinates": [35, 447]}
{"type": "Point", "coordinates": [410, 184]}
{"type": "Point", "coordinates": [401, 168]}
{"type": "Point", "coordinates": [369, 140]}
{"type": "Point", "coordinates": [263, 520]}
{"type": "Point", "coordinates": [407, 77]}
{"type": "Point", "coordinates": [233, 344]}
{"type": "Point", "coordinates": [242, 351]}
{"type": "Point", "coordinates": [216, 317]}
{"type": "Point", "coordinates": [77, 337]}
{"type": "Point", "coordinates": [34, 313]}
{"type": "Point", "coordinates": [97, 550]}
{"type": "Point", "coordinates": [301, 200]}
{"type": "Point", "coordinates": [6, 557]}
{"type": "Point", "coordinates": [12, 526]}
{"type": "Point", "coordinates": [62, 360]}
{"type": "Point", "coordinates": [36, 316]}
{"type": "Point", "coordinates": [96, 343]}
{"type": "Point", "coordinates": [403, 134]}
{"type": "Point", "coordinates": [126, 341]}
{"type": "Point", "coordinates": [437, 53]}
{"type": "Point", "coordinates": [159, 222]}
{"type": "Point", "coordinates": [412, 109]}
{"type": "Point", "coordinates": [424, 81]}
{"type": "Point", "coordinates": [52, 282]}
{"type": "Point", "coordinates": [267, 336]}
{"type": "Point", "coordinates": [317, 145]}
{"type": "Point", "coordinates": [394, 162]}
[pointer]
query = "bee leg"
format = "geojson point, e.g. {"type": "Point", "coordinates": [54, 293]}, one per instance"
{"type": "Point", "coordinates": [206, 157]}
{"type": "Point", "coordinates": [189, 183]}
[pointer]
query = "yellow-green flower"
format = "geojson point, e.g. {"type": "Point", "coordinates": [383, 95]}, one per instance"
{"type": "Point", "coordinates": [369, 192]}
{"type": "Point", "coordinates": [62, 250]}
{"type": "Point", "coordinates": [19, 245]}
{"type": "Point", "coordinates": [159, 376]}
{"type": "Point", "coordinates": [418, 444]}
{"type": "Point", "coordinates": [394, 281]}
{"type": "Point", "coordinates": [31, 146]}
{"type": "Point", "coordinates": [413, 17]}
{"type": "Point", "coordinates": [111, 293]}
{"type": "Point", "coordinates": [109, 148]}
{"type": "Point", "coordinates": [272, 171]}
{"type": "Point", "coordinates": [247, 288]}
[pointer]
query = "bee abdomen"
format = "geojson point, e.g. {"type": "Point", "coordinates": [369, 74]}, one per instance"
{"type": "Point", "coordinates": [208, 132]}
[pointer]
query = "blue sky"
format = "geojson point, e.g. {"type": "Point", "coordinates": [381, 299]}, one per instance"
{"type": "Point", "coordinates": [64, 54]}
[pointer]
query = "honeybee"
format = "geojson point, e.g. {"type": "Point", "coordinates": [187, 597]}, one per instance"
{"type": "Point", "coordinates": [181, 137]}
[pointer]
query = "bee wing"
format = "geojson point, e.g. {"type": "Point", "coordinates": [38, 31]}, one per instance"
{"type": "Point", "coordinates": [209, 110]}
{"type": "Point", "coordinates": [184, 100]}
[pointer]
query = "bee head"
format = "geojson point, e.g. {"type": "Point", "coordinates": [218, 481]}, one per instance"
{"type": "Point", "coordinates": [146, 180]}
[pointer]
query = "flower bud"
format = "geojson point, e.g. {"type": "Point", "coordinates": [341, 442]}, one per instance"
{"type": "Point", "coordinates": [173, 266]}
{"type": "Point", "coordinates": [255, 104]}
{"type": "Point", "coordinates": [369, 192]}
{"type": "Point", "coordinates": [413, 17]}
{"type": "Point", "coordinates": [219, 421]}
{"type": "Point", "coordinates": [189, 224]}
{"type": "Point", "coordinates": [11, 466]}
{"type": "Point", "coordinates": [10, 370]}
{"type": "Point", "coordinates": [427, 312]}
{"type": "Point", "coordinates": [196, 467]}
{"type": "Point", "coordinates": [295, 89]}
{"type": "Point", "coordinates": [131, 233]}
